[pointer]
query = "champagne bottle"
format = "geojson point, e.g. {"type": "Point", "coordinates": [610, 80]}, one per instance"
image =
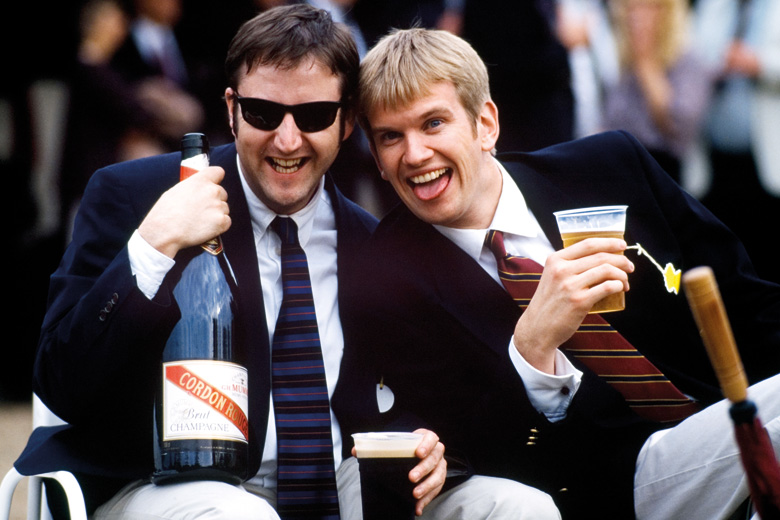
{"type": "Point", "coordinates": [201, 428]}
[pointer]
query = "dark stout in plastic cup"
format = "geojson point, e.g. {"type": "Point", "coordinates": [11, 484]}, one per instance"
{"type": "Point", "coordinates": [385, 460]}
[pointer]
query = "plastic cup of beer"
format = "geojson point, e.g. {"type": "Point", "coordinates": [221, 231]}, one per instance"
{"type": "Point", "coordinates": [385, 460]}
{"type": "Point", "coordinates": [603, 221]}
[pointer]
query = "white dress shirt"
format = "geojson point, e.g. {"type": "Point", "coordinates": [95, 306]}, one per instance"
{"type": "Point", "coordinates": [522, 237]}
{"type": "Point", "coordinates": [317, 235]}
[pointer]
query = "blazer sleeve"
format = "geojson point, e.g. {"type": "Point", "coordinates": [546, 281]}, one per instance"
{"type": "Point", "coordinates": [753, 304]}
{"type": "Point", "coordinates": [101, 338]}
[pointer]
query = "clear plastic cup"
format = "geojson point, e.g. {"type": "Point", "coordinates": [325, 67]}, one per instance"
{"type": "Point", "coordinates": [602, 221]}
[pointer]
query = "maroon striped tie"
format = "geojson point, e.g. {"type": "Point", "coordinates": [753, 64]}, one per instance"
{"type": "Point", "coordinates": [600, 347]}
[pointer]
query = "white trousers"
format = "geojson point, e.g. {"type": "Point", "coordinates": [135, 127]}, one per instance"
{"type": "Point", "coordinates": [693, 471]}
{"type": "Point", "coordinates": [477, 498]}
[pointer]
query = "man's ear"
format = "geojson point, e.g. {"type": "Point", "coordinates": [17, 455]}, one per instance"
{"type": "Point", "coordinates": [375, 155]}
{"type": "Point", "coordinates": [230, 101]}
{"type": "Point", "coordinates": [487, 126]}
{"type": "Point", "coordinates": [349, 127]}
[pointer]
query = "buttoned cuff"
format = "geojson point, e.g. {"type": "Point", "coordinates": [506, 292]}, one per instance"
{"type": "Point", "coordinates": [148, 265]}
{"type": "Point", "coordinates": [549, 394]}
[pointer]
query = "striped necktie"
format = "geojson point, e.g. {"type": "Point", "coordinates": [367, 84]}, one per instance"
{"type": "Point", "coordinates": [600, 347]}
{"type": "Point", "coordinates": [306, 476]}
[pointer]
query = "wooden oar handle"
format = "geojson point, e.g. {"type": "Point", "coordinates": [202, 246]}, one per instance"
{"type": "Point", "coordinates": [710, 315]}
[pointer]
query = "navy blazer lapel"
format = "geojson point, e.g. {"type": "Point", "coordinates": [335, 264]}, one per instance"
{"type": "Point", "coordinates": [464, 289]}
{"type": "Point", "coordinates": [353, 226]}
{"type": "Point", "coordinates": [542, 196]}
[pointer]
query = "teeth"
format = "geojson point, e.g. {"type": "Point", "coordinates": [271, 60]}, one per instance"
{"type": "Point", "coordinates": [428, 177]}
{"type": "Point", "coordinates": [286, 165]}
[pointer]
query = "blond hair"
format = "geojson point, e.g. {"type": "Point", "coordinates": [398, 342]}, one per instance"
{"type": "Point", "coordinates": [405, 64]}
{"type": "Point", "coordinates": [673, 29]}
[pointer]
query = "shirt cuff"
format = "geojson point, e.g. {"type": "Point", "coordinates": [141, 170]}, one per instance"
{"type": "Point", "coordinates": [549, 394]}
{"type": "Point", "coordinates": [148, 265]}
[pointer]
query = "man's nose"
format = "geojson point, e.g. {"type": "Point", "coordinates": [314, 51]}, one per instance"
{"type": "Point", "coordinates": [416, 151]}
{"type": "Point", "coordinates": [288, 135]}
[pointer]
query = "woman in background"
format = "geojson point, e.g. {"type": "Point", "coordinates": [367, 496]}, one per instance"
{"type": "Point", "coordinates": [663, 89]}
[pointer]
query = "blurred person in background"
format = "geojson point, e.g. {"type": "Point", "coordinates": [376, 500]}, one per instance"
{"type": "Point", "coordinates": [584, 28]}
{"type": "Point", "coordinates": [152, 59]}
{"type": "Point", "coordinates": [741, 40]}
{"type": "Point", "coordinates": [663, 88]}
{"type": "Point", "coordinates": [529, 69]}
{"type": "Point", "coordinates": [106, 121]}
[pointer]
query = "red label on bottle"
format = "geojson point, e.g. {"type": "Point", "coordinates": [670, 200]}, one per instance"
{"type": "Point", "coordinates": [193, 165]}
{"type": "Point", "coordinates": [212, 395]}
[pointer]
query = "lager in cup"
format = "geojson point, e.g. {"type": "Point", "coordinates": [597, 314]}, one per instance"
{"type": "Point", "coordinates": [385, 460]}
{"type": "Point", "coordinates": [604, 221]}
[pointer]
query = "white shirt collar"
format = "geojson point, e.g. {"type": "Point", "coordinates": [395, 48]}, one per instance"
{"type": "Point", "coordinates": [262, 216]}
{"type": "Point", "coordinates": [511, 216]}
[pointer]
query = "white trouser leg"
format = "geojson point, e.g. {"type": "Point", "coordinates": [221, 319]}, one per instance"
{"type": "Point", "coordinates": [693, 471]}
{"type": "Point", "coordinates": [143, 500]}
{"type": "Point", "coordinates": [492, 498]}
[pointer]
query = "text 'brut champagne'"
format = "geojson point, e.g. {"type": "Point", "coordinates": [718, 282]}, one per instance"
{"type": "Point", "coordinates": [202, 429]}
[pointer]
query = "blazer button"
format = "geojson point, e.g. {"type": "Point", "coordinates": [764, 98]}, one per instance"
{"type": "Point", "coordinates": [103, 315]}
{"type": "Point", "coordinates": [532, 437]}
{"type": "Point", "coordinates": [109, 305]}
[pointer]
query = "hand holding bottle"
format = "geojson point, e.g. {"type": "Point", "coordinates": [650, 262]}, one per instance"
{"type": "Point", "coordinates": [190, 213]}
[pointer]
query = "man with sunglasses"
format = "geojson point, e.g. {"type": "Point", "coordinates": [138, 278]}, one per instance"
{"type": "Point", "coordinates": [292, 76]}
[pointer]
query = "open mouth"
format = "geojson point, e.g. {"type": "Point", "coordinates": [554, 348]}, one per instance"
{"type": "Point", "coordinates": [431, 184]}
{"type": "Point", "coordinates": [286, 165]}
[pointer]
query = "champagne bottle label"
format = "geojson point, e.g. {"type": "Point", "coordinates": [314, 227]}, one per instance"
{"type": "Point", "coordinates": [190, 166]}
{"type": "Point", "coordinates": [205, 400]}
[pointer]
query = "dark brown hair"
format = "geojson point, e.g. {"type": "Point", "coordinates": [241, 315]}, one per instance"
{"type": "Point", "coordinates": [289, 35]}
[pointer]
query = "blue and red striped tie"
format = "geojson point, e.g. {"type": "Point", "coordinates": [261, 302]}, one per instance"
{"type": "Point", "coordinates": [306, 473]}
{"type": "Point", "coordinates": [599, 346]}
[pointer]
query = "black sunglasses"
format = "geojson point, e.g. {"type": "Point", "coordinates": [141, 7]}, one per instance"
{"type": "Point", "coordinates": [268, 115]}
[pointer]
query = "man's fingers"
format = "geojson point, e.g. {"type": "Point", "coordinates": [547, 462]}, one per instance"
{"type": "Point", "coordinates": [428, 442]}
{"type": "Point", "coordinates": [430, 488]}
{"type": "Point", "coordinates": [431, 471]}
{"type": "Point", "coordinates": [213, 173]}
{"type": "Point", "coordinates": [428, 463]}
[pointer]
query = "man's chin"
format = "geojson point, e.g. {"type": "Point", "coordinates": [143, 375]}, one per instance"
{"type": "Point", "coordinates": [288, 201]}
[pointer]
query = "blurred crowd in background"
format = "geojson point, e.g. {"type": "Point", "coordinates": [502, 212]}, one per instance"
{"type": "Point", "coordinates": [99, 81]}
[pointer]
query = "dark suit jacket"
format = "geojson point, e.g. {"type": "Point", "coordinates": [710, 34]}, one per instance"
{"type": "Point", "coordinates": [102, 340]}
{"type": "Point", "coordinates": [441, 327]}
